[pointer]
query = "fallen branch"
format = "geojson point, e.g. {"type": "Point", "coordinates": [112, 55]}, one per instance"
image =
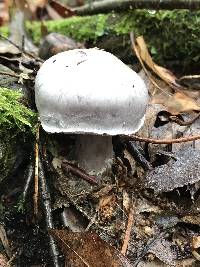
{"type": "Point", "coordinates": [107, 6]}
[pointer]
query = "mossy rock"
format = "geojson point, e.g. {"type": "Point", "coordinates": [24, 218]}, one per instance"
{"type": "Point", "coordinates": [170, 35]}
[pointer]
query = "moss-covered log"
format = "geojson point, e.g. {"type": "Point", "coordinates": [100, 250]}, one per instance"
{"type": "Point", "coordinates": [119, 5]}
{"type": "Point", "coordinates": [171, 35]}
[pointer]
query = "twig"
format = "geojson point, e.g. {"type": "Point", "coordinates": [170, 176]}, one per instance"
{"type": "Point", "coordinates": [184, 123]}
{"type": "Point", "coordinates": [78, 172]}
{"type": "Point", "coordinates": [13, 258]}
{"type": "Point", "coordinates": [48, 213]}
{"type": "Point", "coordinates": [137, 155]}
{"type": "Point", "coordinates": [36, 192]}
{"type": "Point", "coordinates": [9, 74]}
{"type": "Point", "coordinates": [164, 141]}
{"type": "Point", "coordinates": [4, 241]}
{"type": "Point", "coordinates": [123, 5]}
{"type": "Point", "coordinates": [29, 176]}
{"type": "Point", "coordinates": [128, 231]}
{"type": "Point", "coordinates": [196, 255]}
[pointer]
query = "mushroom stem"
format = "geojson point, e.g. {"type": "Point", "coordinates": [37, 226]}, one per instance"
{"type": "Point", "coordinates": [94, 153]}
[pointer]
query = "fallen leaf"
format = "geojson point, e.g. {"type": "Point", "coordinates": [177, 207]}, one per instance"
{"type": "Point", "coordinates": [163, 73]}
{"type": "Point", "coordinates": [176, 103]}
{"type": "Point", "coordinates": [195, 242]}
{"type": "Point", "coordinates": [192, 219]}
{"type": "Point", "coordinates": [88, 249]}
{"type": "Point", "coordinates": [106, 206]}
{"type": "Point", "coordinates": [164, 251]}
{"type": "Point", "coordinates": [183, 169]}
{"type": "Point", "coordinates": [3, 261]}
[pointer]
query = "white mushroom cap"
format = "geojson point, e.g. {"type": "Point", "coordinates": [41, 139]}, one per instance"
{"type": "Point", "coordinates": [89, 91]}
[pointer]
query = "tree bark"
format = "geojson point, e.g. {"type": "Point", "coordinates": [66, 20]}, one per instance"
{"type": "Point", "coordinates": [106, 6]}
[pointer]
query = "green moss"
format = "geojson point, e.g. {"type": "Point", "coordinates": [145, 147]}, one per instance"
{"type": "Point", "coordinates": [8, 147]}
{"type": "Point", "coordinates": [13, 114]}
{"type": "Point", "coordinates": [80, 28]}
{"type": "Point", "coordinates": [4, 31]}
{"type": "Point", "coordinates": [170, 35]}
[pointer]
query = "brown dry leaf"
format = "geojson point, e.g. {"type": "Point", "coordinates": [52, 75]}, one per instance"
{"type": "Point", "coordinates": [88, 249]}
{"type": "Point", "coordinates": [106, 206]}
{"type": "Point", "coordinates": [3, 261]}
{"type": "Point", "coordinates": [163, 73]}
{"type": "Point", "coordinates": [105, 200]}
{"type": "Point", "coordinates": [195, 242]}
{"type": "Point", "coordinates": [192, 219]}
{"type": "Point", "coordinates": [176, 103]}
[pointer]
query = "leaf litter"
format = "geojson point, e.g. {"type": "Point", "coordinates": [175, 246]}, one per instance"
{"type": "Point", "coordinates": [156, 231]}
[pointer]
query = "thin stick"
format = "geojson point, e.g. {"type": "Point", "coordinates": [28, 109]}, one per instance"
{"type": "Point", "coordinates": [137, 155]}
{"type": "Point", "coordinates": [46, 201]}
{"type": "Point", "coordinates": [78, 172]}
{"type": "Point", "coordinates": [4, 241]}
{"type": "Point", "coordinates": [128, 231]}
{"type": "Point", "coordinates": [164, 141]}
{"type": "Point", "coordinates": [183, 123]}
{"type": "Point", "coordinates": [36, 186]}
{"type": "Point", "coordinates": [9, 74]}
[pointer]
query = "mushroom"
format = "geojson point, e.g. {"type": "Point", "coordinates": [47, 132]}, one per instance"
{"type": "Point", "coordinates": [91, 93]}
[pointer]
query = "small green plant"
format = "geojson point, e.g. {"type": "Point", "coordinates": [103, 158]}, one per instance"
{"type": "Point", "coordinates": [14, 114]}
